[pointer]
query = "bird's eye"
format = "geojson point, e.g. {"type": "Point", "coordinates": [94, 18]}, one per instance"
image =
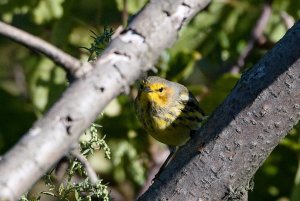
{"type": "Point", "coordinates": [161, 89]}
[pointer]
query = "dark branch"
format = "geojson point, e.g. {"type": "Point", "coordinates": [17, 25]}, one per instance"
{"type": "Point", "coordinates": [220, 161]}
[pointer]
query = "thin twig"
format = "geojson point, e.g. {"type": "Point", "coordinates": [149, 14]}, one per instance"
{"type": "Point", "coordinates": [288, 20]}
{"type": "Point", "coordinates": [20, 80]}
{"type": "Point", "coordinates": [125, 13]}
{"type": "Point", "coordinates": [72, 65]}
{"type": "Point", "coordinates": [256, 36]}
{"type": "Point", "coordinates": [89, 169]}
{"type": "Point", "coordinates": [158, 156]}
{"type": "Point", "coordinates": [61, 169]}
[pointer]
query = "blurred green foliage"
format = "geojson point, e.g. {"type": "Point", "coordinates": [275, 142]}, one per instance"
{"type": "Point", "coordinates": [202, 59]}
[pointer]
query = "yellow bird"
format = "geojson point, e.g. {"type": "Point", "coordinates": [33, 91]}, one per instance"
{"type": "Point", "coordinates": [167, 111]}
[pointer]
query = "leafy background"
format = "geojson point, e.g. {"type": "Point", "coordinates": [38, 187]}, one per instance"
{"type": "Point", "coordinates": [202, 59]}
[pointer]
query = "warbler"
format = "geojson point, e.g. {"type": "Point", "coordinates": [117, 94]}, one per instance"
{"type": "Point", "coordinates": [167, 110]}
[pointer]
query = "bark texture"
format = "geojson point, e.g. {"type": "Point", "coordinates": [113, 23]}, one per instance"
{"type": "Point", "coordinates": [219, 162]}
{"type": "Point", "coordinates": [131, 53]}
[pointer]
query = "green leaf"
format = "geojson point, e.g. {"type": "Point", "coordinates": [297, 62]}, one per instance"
{"type": "Point", "coordinates": [77, 197]}
{"type": "Point", "coordinates": [48, 10]}
{"type": "Point", "coordinates": [132, 5]}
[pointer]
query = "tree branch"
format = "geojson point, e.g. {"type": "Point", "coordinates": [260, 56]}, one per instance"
{"type": "Point", "coordinates": [72, 65]}
{"type": "Point", "coordinates": [288, 20]}
{"type": "Point", "coordinates": [130, 54]}
{"type": "Point", "coordinates": [88, 168]}
{"type": "Point", "coordinates": [256, 35]}
{"type": "Point", "coordinates": [220, 161]}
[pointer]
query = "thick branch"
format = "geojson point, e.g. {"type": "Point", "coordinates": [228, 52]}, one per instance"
{"type": "Point", "coordinates": [220, 161]}
{"type": "Point", "coordinates": [72, 65]}
{"type": "Point", "coordinates": [131, 53]}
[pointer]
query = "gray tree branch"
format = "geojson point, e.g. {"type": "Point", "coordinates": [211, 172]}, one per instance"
{"type": "Point", "coordinates": [219, 162]}
{"type": "Point", "coordinates": [72, 65]}
{"type": "Point", "coordinates": [131, 53]}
